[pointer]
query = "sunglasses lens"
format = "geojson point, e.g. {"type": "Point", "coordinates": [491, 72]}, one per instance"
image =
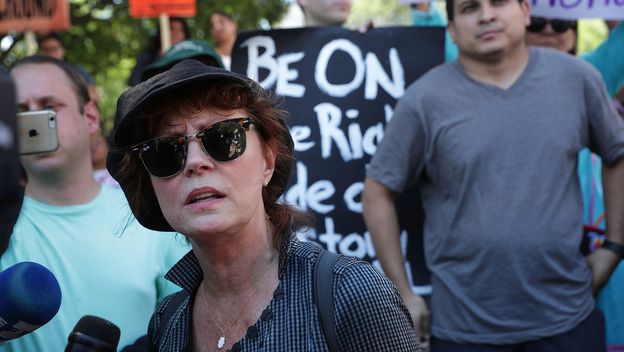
{"type": "Point", "coordinates": [163, 157]}
{"type": "Point", "coordinates": [560, 26]}
{"type": "Point", "coordinates": [537, 24]}
{"type": "Point", "coordinates": [225, 140]}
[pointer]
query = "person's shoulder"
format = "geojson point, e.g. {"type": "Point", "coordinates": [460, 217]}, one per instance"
{"type": "Point", "coordinates": [307, 251]}
{"type": "Point", "coordinates": [113, 205]}
{"type": "Point", "coordinates": [550, 59]}
{"type": "Point", "coordinates": [359, 275]}
{"type": "Point", "coordinates": [113, 198]}
{"type": "Point", "coordinates": [433, 82]}
{"type": "Point", "coordinates": [349, 270]}
{"type": "Point", "coordinates": [302, 249]}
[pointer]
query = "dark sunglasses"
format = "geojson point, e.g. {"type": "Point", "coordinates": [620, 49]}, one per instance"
{"type": "Point", "coordinates": [166, 156]}
{"type": "Point", "coordinates": [560, 26]}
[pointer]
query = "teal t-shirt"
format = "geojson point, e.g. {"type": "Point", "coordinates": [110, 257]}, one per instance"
{"type": "Point", "coordinates": [101, 271]}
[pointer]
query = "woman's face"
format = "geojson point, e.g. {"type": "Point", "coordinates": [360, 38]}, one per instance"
{"type": "Point", "coordinates": [549, 38]}
{"type": "Point", "coordinates": [177, 32]}
{"type": "Point", "coordinates": [210, 197]}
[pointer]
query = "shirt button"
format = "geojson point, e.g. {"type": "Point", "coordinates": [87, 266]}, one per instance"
{"type": "Point", "coordinates": [279, 293]}
{"type": "Point", "coordinates": [267, 315]}
{"type": "Point", "coordinates": [252, 331]}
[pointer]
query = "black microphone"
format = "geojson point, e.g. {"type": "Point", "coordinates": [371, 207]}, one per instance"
{"type": "Point", "coordinates": [30, 297]}
{"type": "Point", "coordinates": [93, 334]}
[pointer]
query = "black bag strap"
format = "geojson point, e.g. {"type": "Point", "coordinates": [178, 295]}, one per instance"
{"type": "Point", "coordinates": [172, 307]}
{"type": "Point", "coordinates": [324, 296]}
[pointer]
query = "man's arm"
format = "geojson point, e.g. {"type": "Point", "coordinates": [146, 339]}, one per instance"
{"type": "Point", "coordinates": [602, 262]}
{"type": "Point", "coordinates": [383, 225]}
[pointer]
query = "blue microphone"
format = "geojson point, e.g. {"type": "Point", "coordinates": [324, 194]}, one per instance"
{"type": "Point", "coordinates": [30, 296]}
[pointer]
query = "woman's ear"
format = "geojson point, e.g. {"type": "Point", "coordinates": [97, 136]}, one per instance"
{"type": "Point", "coordinates": [269, 157]}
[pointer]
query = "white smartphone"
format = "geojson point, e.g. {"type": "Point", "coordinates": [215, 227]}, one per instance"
{"type": "Point", "coordinates": [37, 132]}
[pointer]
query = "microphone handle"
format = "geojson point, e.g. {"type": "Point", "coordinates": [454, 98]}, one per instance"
{"type": "Point", "coordinates": [79, 342]}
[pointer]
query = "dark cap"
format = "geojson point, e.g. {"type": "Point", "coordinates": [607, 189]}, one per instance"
{"type": "Point", "coordinates": [134, 100]}
{"type": "Point", "coordinates": [199, 50]}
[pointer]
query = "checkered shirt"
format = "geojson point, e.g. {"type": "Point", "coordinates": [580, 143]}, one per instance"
{"type": "Point", "coordinates": [369, 313]}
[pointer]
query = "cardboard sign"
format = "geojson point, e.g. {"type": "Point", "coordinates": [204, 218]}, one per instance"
{"type": "Point", "coordinates": [34, 15]}
{"type": "Point", "coordinates": [154, 8]}
{"type": "Point", "coordinates": [340, 88]}
{"type": "Point", "coordinates": [575, 9]}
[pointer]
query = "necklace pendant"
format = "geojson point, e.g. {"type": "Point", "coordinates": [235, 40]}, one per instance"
{"type": "Point", "coordinates": [221, 342]}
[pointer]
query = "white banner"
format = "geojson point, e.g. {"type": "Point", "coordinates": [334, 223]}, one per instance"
{"type": "Point", "coordinates": [575, 9]}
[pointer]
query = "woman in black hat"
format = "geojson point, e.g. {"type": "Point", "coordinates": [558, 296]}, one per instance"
{"type": "Point", "coordinates": [206, 152]}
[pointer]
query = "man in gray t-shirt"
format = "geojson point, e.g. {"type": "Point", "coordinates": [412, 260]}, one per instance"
{"type": "Point", "coordinates": [492, 140]}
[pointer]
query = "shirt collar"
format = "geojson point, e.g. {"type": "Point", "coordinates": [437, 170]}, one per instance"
{"type": "Point", "coordinates": [187, 273]}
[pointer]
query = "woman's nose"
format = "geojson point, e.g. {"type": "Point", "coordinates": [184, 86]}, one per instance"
{"type": "Point", "coordinates": [197, 161]}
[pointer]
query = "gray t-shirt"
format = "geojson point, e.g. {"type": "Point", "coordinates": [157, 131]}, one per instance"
{"type": "Point", "coordinates": [497, 171]}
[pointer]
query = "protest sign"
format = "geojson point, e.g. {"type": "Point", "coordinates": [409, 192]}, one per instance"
{"type": "Point", "coordinates": [575, 9]}
{"type": "Point", "coordinates": [340, 87]}
{"type": "Point", "coordinates": [34, 15]}
{"type": "Point", "coordinates": [155, 8]}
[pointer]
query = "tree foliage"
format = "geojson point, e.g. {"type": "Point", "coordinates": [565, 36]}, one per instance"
{"type": "Point", "coordinates": [380, 12]}
{"type": "Point", "coordinates": [105, 40]}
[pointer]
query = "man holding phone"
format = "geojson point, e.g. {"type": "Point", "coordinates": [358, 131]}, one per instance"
{"type": "Point", "coordinates": [106, 264]}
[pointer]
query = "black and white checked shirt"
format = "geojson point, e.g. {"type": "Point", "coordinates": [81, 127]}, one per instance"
{"type": "Point", "coordinates": [370, 315]}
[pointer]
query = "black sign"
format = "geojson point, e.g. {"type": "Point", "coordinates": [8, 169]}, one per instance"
{"type": "Point", "coordinates": [340, 87]}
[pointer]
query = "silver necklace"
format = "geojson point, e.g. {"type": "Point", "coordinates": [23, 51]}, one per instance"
{"type": "Point", "coordinates": [221, 341]}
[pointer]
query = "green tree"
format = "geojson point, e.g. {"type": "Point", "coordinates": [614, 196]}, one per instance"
{"type": "Point", "coordinates": [105, 40]}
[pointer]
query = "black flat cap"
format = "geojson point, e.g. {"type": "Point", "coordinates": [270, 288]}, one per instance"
{"type": "Point", "coordinates": [135, 99]}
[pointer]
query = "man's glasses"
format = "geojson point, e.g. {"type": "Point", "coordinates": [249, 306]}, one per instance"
{"type": "Point", "coordinates": [560, 26]}
{"type": "Point", "coordinates": [166, 156]}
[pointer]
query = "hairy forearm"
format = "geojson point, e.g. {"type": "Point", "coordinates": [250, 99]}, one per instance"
{"type": "Point", "coordinates": [603, 261]}
{"type": "Point", "coordinates": [613, 184]}
{"type": "Point", "coordinates": [383, 225]}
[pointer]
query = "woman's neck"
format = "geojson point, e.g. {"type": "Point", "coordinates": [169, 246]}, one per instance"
{"type": "Point", "coordinates": [233, 264]}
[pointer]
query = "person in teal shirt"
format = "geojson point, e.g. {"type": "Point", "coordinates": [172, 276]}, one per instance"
{"type": "Point", "coordinates": [427, 15]}
{"type": "Point", "coordinates": [105, 262]}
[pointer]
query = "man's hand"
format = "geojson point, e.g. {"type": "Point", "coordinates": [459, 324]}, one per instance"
{"type": "Point", "coordinates": [420, 316]}
{"type": "Point", "coordinates": [601, 263]}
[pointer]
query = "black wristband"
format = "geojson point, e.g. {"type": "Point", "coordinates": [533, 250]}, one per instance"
{"type": "Point", "coordinates": [614, 247]}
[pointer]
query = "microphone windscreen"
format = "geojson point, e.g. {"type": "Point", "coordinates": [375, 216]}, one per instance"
{"type": "Point", "coordinates": [30, 296]}
{"type": "Point", "coordinates": [93, 333]}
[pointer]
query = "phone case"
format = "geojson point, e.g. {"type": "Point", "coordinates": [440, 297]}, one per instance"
{"type": "Point", "coordinates": [37, 132]}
